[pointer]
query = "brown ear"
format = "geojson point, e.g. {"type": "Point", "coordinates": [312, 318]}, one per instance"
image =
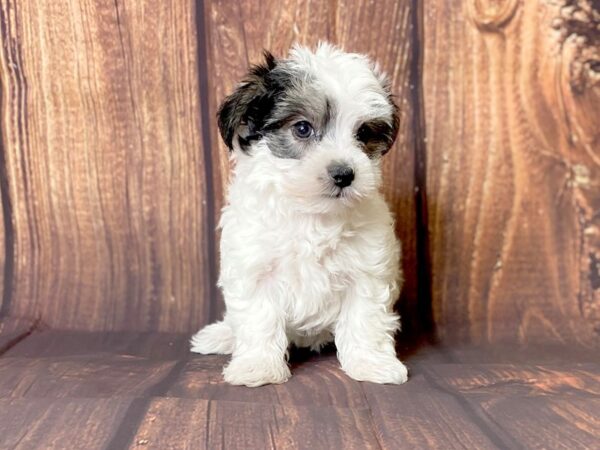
{"type": "Point", "coordinates": [240, 113]}
{"type": "Point", "coordinates": [395, 122]}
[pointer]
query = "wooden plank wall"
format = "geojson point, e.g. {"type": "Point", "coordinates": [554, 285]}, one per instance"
{"type": "Point", "coordinates": [511, 93]}
{"type": "Point", "coordinates": [113, 173]}
{"type": "Point", "coordinates": [114, 169]}
{"type": "Point", "coordinates": [104, 168]}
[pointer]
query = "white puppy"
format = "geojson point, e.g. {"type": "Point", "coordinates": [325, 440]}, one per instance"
{"type": "Point", "coordinates": [308, 251]}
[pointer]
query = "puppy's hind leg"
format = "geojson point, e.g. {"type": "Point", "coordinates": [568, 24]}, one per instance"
{"type": "Point", "coordinates": [216, 338]}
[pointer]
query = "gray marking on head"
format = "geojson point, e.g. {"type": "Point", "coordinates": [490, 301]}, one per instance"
{"type": "Point", "coordinates": [275, 96]}
{"type": "Point", "coordinates": [301, 100]}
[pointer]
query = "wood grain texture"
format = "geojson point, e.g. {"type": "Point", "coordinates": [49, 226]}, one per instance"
{"type": "Point", "coordinates": [152, 346]}
{"type": "Point", "coordinates": [549, 423]}
{"type": "Point", "coordinates": [511, 353]}
{"type": "Point", "coordinates": [422, 417]}
{"type": "Point", "coordinates": [13, 331]}
{"type": "Point", "coordinates": [101, 134]}
{"type": "Point", "coordinates": [511, 95]}
{"type": "Point", "coordinates": [520, 379]}
{"type": "Point", "coordinates": [233, 425]}
{"type": "Point", "coordinates": [80, 376]}
{"type": "Point", "coordinates": [6, 227]}
{"type": "Point", "coordinates": [550, 406]}
{"type": "Point", "coordinates": [3, 267]}
{"type": "Point", "coordinates": [112, 171]}
{"type": "Point", "coordinates": [236, 39]}
{"type": "Point", "coordinates": [113, 390]}
{"type": "Point", "coordinates": [59, 423]}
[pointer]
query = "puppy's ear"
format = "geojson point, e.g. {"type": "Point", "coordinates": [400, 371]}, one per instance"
{"type": "Point", "coordinates": [395, 125]}
{"type": "Point", "coordinates": [385, 83]}
{"type": "Point", "coordinates": [243, 113]}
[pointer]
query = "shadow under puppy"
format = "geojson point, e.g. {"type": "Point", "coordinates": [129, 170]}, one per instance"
{"type": "Point", "coordinates": [308, 250]}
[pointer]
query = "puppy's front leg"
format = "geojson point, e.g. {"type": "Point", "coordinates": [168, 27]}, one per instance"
{"type": "Point", "coordinates": [364, 336]}
{"type": "Point", "coordinates": [259, 356]}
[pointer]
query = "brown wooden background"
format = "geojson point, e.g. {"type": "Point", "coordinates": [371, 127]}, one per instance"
{"type": "Point", "coordinates": [112, 172]}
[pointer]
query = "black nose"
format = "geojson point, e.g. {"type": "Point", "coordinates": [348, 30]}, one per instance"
{"type": "Point", "coordinates": [341, 174]}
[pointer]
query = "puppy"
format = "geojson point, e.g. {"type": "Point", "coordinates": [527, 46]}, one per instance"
{"type": "Point", "coordinates": [308, 251]}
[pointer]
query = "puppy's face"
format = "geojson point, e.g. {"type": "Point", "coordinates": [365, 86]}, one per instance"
{"type": "Point", "coordinates": [317, 122]}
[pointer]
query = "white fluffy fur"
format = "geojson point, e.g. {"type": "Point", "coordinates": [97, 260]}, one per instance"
{"type": "Point", "coordinates": [298, 266]}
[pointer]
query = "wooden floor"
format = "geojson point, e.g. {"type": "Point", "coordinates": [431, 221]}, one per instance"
{"type": "Point", "coordinates": [126, 390]}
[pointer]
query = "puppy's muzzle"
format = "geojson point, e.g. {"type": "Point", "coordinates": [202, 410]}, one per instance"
{"type": "Point", "coordinates": [341, 174]}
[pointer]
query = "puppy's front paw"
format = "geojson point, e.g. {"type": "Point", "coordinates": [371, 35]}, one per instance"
{"type": "Point", "coordinates": [253, 372]}
{"type": "Point", "coordinates": [383, 371]}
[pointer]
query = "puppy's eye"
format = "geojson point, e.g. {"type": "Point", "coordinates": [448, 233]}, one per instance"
{"type": "Point", "coordinates": [302, 129]}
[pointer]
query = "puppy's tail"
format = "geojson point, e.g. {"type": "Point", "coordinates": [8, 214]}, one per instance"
{"type": "Point", "coordinates": [215, 338]}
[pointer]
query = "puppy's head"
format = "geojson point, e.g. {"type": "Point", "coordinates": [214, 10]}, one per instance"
{"type": "Point", "coordinates": [316, 124]}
